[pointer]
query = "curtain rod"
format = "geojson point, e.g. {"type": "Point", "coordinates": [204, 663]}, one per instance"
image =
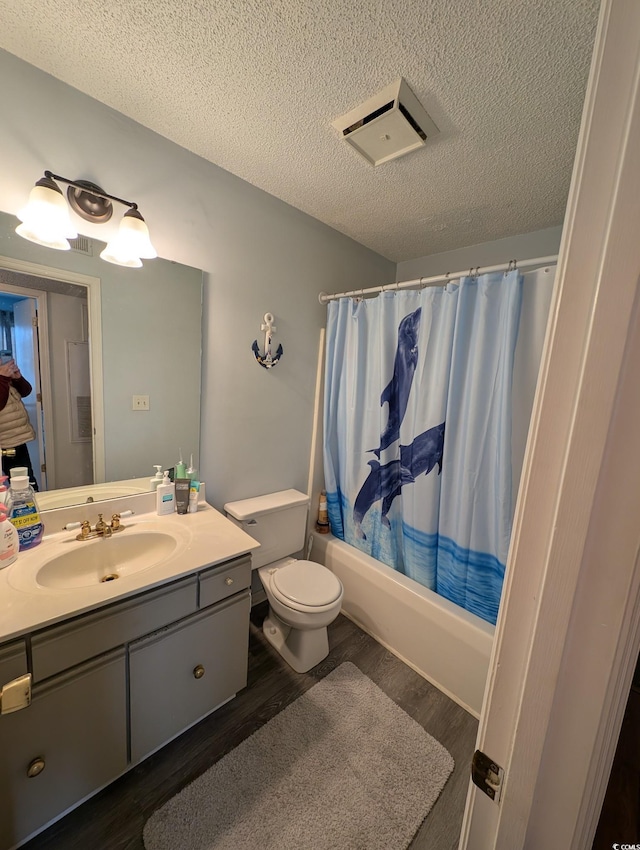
{"type": "Point", "coordinates": [324, 298]}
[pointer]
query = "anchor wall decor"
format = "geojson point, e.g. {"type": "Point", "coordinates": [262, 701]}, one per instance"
{"type": "Point", "coordinates": [267, 360]}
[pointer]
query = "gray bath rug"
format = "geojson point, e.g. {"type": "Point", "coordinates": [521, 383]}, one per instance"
{"type": "Point", "coordinates": [341, 768]}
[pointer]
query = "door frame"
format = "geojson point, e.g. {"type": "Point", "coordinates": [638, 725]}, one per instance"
{"type": "Point", "coordinates": [42, 387]}
{"type": "Point", "coordinates": [94, 302]}
{"type": "Point", "coordinates": [547, 653]}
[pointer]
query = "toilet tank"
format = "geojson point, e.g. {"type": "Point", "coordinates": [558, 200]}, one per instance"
{"type": "Point", "coordinates": [277, 521]}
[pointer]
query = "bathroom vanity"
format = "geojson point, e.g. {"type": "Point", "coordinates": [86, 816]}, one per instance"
{"type": "Point", "coordinates": [117, 668]}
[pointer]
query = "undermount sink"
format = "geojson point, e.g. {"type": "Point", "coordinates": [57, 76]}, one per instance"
{"type": "Point", "coordinates": [106, 559]}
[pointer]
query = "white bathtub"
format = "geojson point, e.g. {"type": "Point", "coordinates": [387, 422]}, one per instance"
{"type": "Point", "coordinates": [447, 645]}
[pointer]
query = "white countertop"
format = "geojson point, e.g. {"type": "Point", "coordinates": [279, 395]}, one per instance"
{"type": "Point", "coordinates": [206, 538]}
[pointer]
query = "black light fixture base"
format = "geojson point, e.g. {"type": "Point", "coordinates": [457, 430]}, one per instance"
{"type": "Point", "coordinates": [90, 206]}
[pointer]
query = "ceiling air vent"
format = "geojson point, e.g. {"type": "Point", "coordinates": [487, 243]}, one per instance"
{"type": "Point", "coordinates": [390, 124]}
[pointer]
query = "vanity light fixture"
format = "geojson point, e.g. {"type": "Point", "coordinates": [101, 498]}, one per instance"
{"type": "Point", "coordinates": [45, 220]}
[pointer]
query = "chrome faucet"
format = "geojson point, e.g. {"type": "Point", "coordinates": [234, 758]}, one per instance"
{"type": "Point", "coordinates": [101, 528]}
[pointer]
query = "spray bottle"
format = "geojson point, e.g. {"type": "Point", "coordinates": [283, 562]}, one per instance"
{"type": "Point", "coordinates": [322, 525]}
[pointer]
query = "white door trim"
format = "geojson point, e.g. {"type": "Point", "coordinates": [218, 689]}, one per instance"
{"type": "Point", "coordinates": [44, 379]}
{"type": "Point", "coordinates": [597, 280]}
{"type": "Point", "coordinates": [94, 302]}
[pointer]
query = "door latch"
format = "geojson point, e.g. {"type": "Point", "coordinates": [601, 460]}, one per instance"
{"type": "Point", "coordinates": [487, 775]}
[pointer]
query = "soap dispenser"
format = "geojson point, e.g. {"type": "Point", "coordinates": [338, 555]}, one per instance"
{"type": "Point", "coordinates": [165, 496]}
{"type": "Point", "coordinates": [157, 478]}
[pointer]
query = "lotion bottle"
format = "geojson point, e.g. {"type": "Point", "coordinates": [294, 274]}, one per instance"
{"type": "Point", "coordinates": [157, 478]}
{"type": "Point", "coordinates": [9, 542]}
{"type": "Point", "coordinates": [165, 496]}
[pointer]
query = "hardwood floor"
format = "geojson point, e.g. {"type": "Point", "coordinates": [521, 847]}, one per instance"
{"type": "Point", "coordinates": [114, 818]}
{"type": "Point", "coordinates": [620, 816]}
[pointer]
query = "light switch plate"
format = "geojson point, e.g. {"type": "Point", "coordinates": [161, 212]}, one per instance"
{"type": "Point", "coordinates": [140, 402]}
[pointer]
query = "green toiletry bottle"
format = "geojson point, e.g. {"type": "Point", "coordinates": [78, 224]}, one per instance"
{"type": "Point", "coordinates": [180, 468]}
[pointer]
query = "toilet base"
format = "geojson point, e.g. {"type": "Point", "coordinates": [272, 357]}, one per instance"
{"type": "Point", "coordinates": [301, 649]}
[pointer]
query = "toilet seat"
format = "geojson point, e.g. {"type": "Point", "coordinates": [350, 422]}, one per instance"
{"type": "Point", "coordinates": [305, 586]}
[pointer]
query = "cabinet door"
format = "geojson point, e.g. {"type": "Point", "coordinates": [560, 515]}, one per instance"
{"type": "Point", "coordinates": [63, 646]}
{"type": "Point", "coordinates": [179, 675]}
{"type": "Point", "coordinates": [13, 661]}
{"type": "Point", "coordinates": [69, 742]}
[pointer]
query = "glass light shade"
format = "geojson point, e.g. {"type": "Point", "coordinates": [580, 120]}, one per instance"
{"type": "Point", "coordinates": [113, 254]}
{"type": "Point", "coordinates": [45, 219]}
{"type": "Point", "coordinates": [131, 242]}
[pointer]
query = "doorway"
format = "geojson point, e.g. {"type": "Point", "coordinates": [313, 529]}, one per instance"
{"type": "Point", "coordinates": [45, 326]}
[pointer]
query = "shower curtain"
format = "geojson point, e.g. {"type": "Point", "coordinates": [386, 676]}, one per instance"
{"type": "Point", "coordinates": [417, 432]}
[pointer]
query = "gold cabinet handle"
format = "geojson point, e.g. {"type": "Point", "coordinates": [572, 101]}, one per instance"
{"type": "Point", "coordinates": [36, 767]}
{"type": "Point", "coordinates": [228, 580]}
{"type": "Point", "coordinates": [198, 671]}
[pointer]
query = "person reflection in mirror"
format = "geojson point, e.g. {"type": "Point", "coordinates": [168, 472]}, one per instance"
{"type": "Point", "coordinates": [16, 429]}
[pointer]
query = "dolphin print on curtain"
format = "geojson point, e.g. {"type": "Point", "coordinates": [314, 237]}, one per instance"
{"type": "Point", "coordinates": [417, 432]}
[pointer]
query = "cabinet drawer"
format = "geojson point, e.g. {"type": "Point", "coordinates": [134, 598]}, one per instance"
{"type": "Point", "coordinates": [76, 726]}
{"type": "Point", "coordinates": [13, 661]}
{"type": "Point", "coordinates": [224, 580]}
{"type": "Point", "coordinates": [64, 646]}
{"type": "Point", "coordinates": [184, 672]}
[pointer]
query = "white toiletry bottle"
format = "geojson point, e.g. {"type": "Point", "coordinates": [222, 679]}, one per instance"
{"type": "Point", "coordinates": [165, 496]}
{"type": "Point", "coordinates": [157, 478]}
{"type": "Point", "coordinates": [9, 542]}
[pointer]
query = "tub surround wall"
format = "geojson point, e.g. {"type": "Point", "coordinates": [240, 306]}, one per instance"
{"type": "Point", "coordinates": [448, 646]}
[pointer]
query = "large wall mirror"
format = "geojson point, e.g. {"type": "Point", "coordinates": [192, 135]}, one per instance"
{"type": "Point", "coordinates": [114, 357]}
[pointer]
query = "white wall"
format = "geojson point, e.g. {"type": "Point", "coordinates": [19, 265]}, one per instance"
{"type": "Point", "coordinates": [258, 255]}
{"type": "Point", "coordinates": [539, 243]}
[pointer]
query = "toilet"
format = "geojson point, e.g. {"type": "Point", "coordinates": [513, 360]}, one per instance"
{"type": "Point", "coordinates": [304, 596]}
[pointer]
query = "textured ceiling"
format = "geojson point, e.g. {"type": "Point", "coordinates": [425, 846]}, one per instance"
{"type": "Point", "coordinates": [252, 85]}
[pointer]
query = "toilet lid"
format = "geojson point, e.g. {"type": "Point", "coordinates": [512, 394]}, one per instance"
{"type": "Point", "coordinates": [307, 583]}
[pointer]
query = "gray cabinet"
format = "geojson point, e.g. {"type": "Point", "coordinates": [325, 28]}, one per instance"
{"type": "Point", "coordinates": [13, 661]}
{"type": "Point", "coordinates": [113, 685]}
{"type": "Point", "coordinates": [71, 741]}
{"type": "Point", "coordinates": [182, 673]}
{"type": "Point", "coordinates": [60, 647]}
{"type": "Point", "coordinates": [225, 580]}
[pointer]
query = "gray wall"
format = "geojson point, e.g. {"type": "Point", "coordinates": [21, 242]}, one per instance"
{"type": "Point", "coordinates": [258, 254]}
{"type": "Point", "coordinates": [539, 243]}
